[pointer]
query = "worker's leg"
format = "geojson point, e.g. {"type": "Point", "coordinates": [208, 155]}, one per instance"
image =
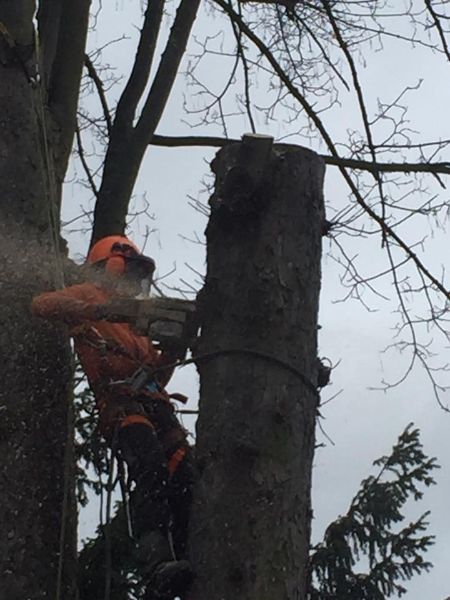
{"type": "Point", "coordinates": [180, 497]}
{"type": "Point", "coordinates": [147, 467]}
{"type": "Point", "coordinates": [179, 459]}
{"type": "Point", "coordinates": [138, 443]}
{"type": "Point", "coordinates": [124, 423]}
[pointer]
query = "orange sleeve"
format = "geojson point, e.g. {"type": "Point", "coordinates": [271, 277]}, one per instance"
{"type": "Point", "coordinates": [69, 305]}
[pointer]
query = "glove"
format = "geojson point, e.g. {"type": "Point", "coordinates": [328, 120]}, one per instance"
{"type": "Point", "coordinates": [100, 312]}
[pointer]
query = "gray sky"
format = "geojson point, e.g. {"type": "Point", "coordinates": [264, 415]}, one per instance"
{"type": "Point", "coordinates": [362, 423]}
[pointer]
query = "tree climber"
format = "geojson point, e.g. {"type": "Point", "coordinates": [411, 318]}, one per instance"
{"type": "Point", "coordinates": [140, 424]}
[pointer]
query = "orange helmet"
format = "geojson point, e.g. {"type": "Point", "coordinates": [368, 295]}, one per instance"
{"type": "Point", "coordinates": [113, 251]}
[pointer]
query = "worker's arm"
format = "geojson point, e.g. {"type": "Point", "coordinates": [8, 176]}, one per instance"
{"type": "Point", "coordinates": [71, 306]}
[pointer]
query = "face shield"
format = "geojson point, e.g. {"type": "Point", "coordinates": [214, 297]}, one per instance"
{"type": "Point", "coordinates": [136, 269]}
{"type": "Point", "coordinates": [140, 270]}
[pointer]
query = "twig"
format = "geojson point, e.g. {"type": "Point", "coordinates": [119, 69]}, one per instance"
{"type": "Point", "coordinates": [92, 72]}
{"type": "Point", "coordinates": [84, 162]}
{"type": "Point", "coordinates": [438, 26]}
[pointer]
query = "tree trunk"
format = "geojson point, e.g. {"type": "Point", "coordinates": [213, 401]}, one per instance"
{"type": "Point", "coordinates": [35, 422]}
{"type": "Point", "coordinates": [250, 528]}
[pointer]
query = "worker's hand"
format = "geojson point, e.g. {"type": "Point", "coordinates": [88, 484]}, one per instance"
{"type": "Point", "coordinates": [119, 310]}
{"type": "Point", "coordinates": [173, 349]}
{"type": "Point", "coordinates": [106, 312]}
{"type": "Point", "coordinates": [101, 312]}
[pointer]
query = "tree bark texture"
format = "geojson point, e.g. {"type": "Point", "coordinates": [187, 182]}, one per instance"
{"type": "Point", "coordinates": [250, 528]}
{"type": "Point", "coordinates": [35, 422]}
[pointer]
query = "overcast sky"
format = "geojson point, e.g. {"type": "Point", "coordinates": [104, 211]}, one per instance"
{"type": "Point", "coordinates": [362, 423]}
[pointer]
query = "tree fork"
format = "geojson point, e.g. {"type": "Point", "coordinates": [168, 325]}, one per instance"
{"type": "Point", "coordinates": [250, 527]}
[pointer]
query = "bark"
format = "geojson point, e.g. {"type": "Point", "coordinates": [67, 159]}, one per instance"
{"type": "Point", "coordinates": [48, 16]}
{"type": "Point", "coordinates": [65, 77]}
{"type": "Point", "coordinates": [35, 427]}
{"type": "Point", "coordinates": [251, 519]}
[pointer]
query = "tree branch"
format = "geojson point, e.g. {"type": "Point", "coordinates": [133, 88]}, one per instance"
{"type": "Point", "coordinates": [84, 163]}
{"type": "Point", "coordinates": [127, 146]}
{"type": "Point", "coordinates": [362, 105]}
{"type": "Point", "coordinates": [287, 3]}
{"type": "Point", "coordinates": [385, 229]}
{"type": "Point", "coordinates": [303, 23]}
{"type": "Point", "coordinates": [92, 72]}
{"type": "Point", "coordinates": [66, 71]}
{"type": "Point", "coordinates": [439, 27]}
{"type": "Point", "coordinates": [245, 69]}
{"type": "Point", "coordinates": [167, 70]}
{"type": "Point", "coordinates": [138, 79]}
{"type": "Point", "coordinates": [441, 168]}
{"type": "Point", "coordinates": [49, 19]}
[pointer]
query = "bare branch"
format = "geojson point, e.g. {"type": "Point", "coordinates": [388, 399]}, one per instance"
{"type": "Point", "coordinates": [48, 17]}
{"type": "Point", "coordinates": [92, 72]}
{"type": "Point", "coordinates": [167, 69]}
{"type": "Point", "coordinates": [84, 163]}
{"type": "Point", "coordinates": [385, 229]}
{"type": "Point", "coordinates": [439, 27]}
{"type": "Point", "coordinates": [303, 23]}
{"type": "Point", "coordinates": [442, 168]}
{"type": "Point", "coordinates": [287, 3]}
{"type": "Point", "coordinates": [245, 68]}
{"type": "Point", "coordinates": [126, 148]}
{"type": "Point", "coordinates": [66, 71]}
{"type": "Point", "coordinates": [138, 79]}
{"type": "Point", "coordinates": [362, 105]}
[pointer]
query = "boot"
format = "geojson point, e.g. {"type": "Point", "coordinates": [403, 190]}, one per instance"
{"type": "Point", "coordinates": [164, 578]}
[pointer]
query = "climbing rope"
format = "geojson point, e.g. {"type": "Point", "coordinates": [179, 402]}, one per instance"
{"type": "Point", "coordinates": [125, 494]}
{"type": "Point", "coordinates": [50, 188]}
{"type": "Point", "coordinates": [108, 544]}
{"type": "Point", "coordinates": [49, 184]}
{"type": "Point", "coordinates": [48, 170]}
{"type": "Point", "coordinates": [38, 109]}
{"type": "Point", "coordinates": [51, 193]}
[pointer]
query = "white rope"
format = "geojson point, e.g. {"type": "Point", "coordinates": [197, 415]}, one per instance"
{"type": "Point", "coordinates": [108, 548]}
{"type": "Point", "coordinates": [48, 170]}
{"type": "Point", "coordinates": [50, 187]}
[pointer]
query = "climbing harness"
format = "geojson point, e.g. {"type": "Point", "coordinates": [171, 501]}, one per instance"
{"type": "Point", "coordinates": [140, 381]}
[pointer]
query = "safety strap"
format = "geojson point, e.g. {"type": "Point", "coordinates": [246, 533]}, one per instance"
{"type": "Point", "coordinates": [136, 419]}
{"type": "Point", "coordinates": [176, 458]}
{"type": "Point", "coordinates": [102, 342]}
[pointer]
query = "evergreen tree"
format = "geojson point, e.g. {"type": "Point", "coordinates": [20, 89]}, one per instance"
{"type": "Point", "coordinates": [369, 536]}
{"type": "Point", "coordinates": [368, 553]}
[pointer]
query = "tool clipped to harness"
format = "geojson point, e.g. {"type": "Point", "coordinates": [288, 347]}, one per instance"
{"type": "Point", "coordinates": [142, 380]}
{"type": "Point", "coordinates": [138, 380]}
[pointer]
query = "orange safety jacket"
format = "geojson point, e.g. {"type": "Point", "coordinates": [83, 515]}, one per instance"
{"type": "Point", "coordinates": [108, 352]}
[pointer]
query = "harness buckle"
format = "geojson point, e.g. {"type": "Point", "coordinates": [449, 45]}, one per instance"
{"type": "Point", "coordinates": [141, 380]}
